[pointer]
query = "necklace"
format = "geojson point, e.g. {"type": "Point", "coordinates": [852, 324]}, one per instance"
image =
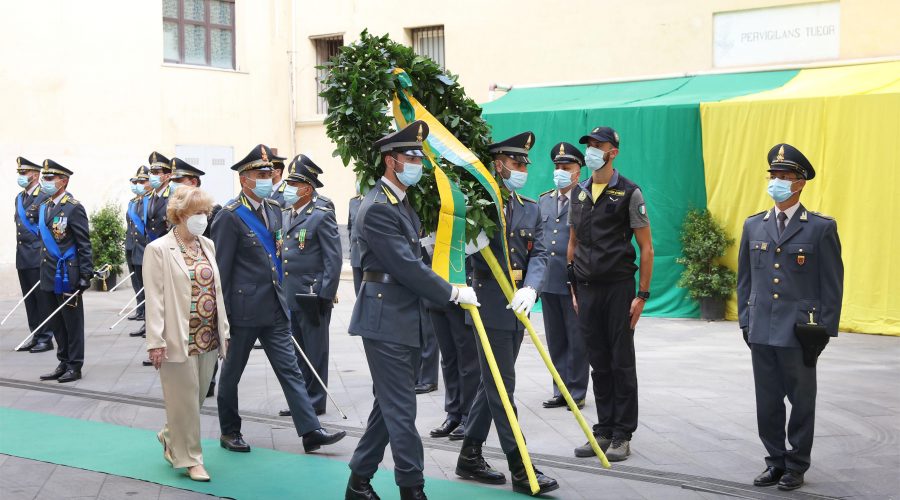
{"type": "Point", "coordinates": [193, 254]}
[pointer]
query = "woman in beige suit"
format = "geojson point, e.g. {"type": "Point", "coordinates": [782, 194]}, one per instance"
{"type": "Point", "coordinates": [186, 323]}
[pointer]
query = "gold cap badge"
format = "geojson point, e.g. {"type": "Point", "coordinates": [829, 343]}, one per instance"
{"type": "Point", "coordinates": [262, 151]}
{"type": "Point", "coordinates": [419, 134]}
{"type": "Point", "coordinates": [528, 143]}
{"type": "Point", "coordinates": [562, 149]}
{"type": "Point", "coordinates": [780, 155]}
{"type": "Point", "coordinates": [153, 158]}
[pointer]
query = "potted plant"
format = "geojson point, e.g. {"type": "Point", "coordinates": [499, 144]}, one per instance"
{"type": "Point", "coordinates": [704, 242]}
{"type": "Point", "coordinates": [107, 237]}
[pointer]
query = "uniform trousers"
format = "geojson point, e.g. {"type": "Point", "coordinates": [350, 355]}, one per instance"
{"type": "Point", "coordinates": [459, 360]}
{"type": "Point", "coordinates": [779, 372]}
{"type": "Point", "coordinates": [566, 344]}
{"type": "Point", "coordinates": [431, 354]}
{"type": "Point", "coordinates": [605, 321]}
{"type": "Point", "coordinates": [68, 328]}
{"type": "Point", "coordinates": [276, 341]}
{"type": "Point", "coordinates": [33, 309]}
{"type": "Point", "coordinates": [184, 387]}
{"type": "Point", "coordinates": [393, 369]}
{"type": "Point", "coordinates": [313, 339]}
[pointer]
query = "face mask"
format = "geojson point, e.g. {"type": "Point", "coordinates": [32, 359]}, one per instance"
{"type": "Point", "coordinates": [411, 174]}
{"type": "Point", "coordinates": [155, 181]}
{"type": "Point", "coordinates": [780, 189]}
{"type": "Point", "coordinates": [49, 187]}
{"type": "Point", "coordinates": [562, 179]}
{"type": "Point", "coordinates": [196, 224]}
{"type": "Point", "coordinates": [593, 158]}
{"type": "Point", "coordinates": [173, 186]}
{"type": "Point", "coordinates": [290, 195]}
{"type": "Point", "coordinates": [23, 181]}
{"type": "Point", "coordinates": [137, 188]}
{"type": "Point", "coordinates": [516, 180]}
{"type": "Point", "coordinates": [263, 188]}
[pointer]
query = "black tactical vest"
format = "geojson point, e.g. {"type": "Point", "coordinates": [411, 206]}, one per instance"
{"type": "Point", "coordinates": [604, 253]}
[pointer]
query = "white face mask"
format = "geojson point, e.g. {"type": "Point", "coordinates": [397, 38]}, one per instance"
{"type": "Point", "coordinates": [593, 158]}
{"type": "Point", "coordinates": [196, 224]}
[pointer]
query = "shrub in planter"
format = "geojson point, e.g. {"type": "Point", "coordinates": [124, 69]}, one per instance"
{"type": "Point", "coordinates": [107, 237]}
{"type": "Point", "coordinates": [704, 242]}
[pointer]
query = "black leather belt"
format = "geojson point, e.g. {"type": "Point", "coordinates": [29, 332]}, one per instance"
{"type": "Point", "coordinates": [385, 278]}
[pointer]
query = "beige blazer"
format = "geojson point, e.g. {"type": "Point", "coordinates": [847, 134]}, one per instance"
{"type": "Point", "coordinates": [167, 288]}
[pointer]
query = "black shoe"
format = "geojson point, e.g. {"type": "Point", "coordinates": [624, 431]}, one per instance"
{"type": "Point", "coordinates": [285, 413]}
{"type": "Point", "coordinates": [29, 346]}
{"type": "Point", "coordinates": [769, 477]}
{"type": "Point", "coordinates": [413, 492]}
{"type": "Point", "coordinates": [69, 376]}
{"type": "Point", "coordinates": [445, 429]}
{"type": "Point", "coordinates": [425, 388]}
{"type": "Point", "coordinates": [141, 332]}
{"type": "Point", "coordinates": [314, 440]}
{"type": "Point", "coordinates": [212, 390]}
{"type": "Point", "coordinates": [234, 442]}
{"type": "Point", "coordinates": [520, 483]}
{"type": "Point", "coordinates": [147, 362]}
{"type": "Point", "coordinates": [555, 402]}
{"type": "Point", "coordinates": [472, 465]}
{"type": "Point", "coordinates": [136, 316]}
{"type": "Point", "coordinates": [579, 403]}
{"type": "Point", "coordinates": [359, 488]}
{"type": "Point", "coordinates": [458, 434]}
{"type": "Point", "coordinates": [791, 480]}
{"type": "Point", "coordinates": [55, 374]}
{"type": "Point", "coordinates": [41, 347]}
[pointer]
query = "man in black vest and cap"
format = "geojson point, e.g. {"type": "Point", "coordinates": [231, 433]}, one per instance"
{"type": "Point", "coordinates": [66, 268]}
{"type": "Point", "coordinates": [28, 252]}
{"type": "Point", "coordinates": [248, 237]}
{"type": "Point", "coordinates": [606, 211]}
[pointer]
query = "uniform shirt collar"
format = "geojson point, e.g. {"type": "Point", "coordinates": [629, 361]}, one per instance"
{"type": "Point", "coordinates": [58, 198]}
{"type": "Point", "coordinates": [789, 211]}
{"type": "Point", "coordinates": [253, 203]}
{"type": "Point", "coordinates": [301, 209]}
{"type": "Point", "coordinates": [399, 193]}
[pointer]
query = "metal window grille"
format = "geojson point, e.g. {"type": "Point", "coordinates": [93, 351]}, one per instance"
{"type": "Point", "coordinates": [326, 48]}
{"type": "Point", "coordinates": [429, 41]}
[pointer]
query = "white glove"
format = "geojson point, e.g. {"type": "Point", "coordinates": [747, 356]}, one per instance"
{"type": "Point", "coordinates": [523, 300]}
{"type": "Point", "coordinates": [466, 295]}
{"type": "Point", "coordinates": [480, 242]}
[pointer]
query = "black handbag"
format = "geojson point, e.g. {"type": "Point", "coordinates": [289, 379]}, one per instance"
{"type": "Point", "coordinates": [309, 306]}
{"type": "Point", "coordinates": [813, 339]}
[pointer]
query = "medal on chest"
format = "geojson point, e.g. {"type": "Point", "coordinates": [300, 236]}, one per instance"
{"type": "Point", "coordinates": [301, 239]}
{"type": "Point", "coordinates": [278, 242]}
{"type": "Point", "coordinates": [59, 226]}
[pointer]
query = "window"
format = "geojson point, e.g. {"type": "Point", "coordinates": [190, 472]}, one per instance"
{"type": "Point", "coordinates": [429, 42]}
{"type": "Point", "coordinates": [199, 32]}
{"type": "Point", "coordinates": [326, 48]}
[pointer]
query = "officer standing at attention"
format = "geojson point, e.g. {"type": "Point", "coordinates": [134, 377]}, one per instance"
{"type": "Point", "coordinates": [387, 315]}
{"type": "Point", "coordinates": [605, 211]}
{"type": "Point", "coordinates": [248, 237]}
{"type": "Point", "coordinates": [355, 202]}
{"type": "Point", "coordinates": [528, 259]}
{"type": "Point", "coordinates": [790, 281]}
{"type": "Point", "coordinates": [184, 174]}
{"type": "Point", "coordinates": [66, 268]}
{"type": "Point", "coordinates": [28, 252]}
{"type": "Point", "coordinates": [312, 261]}
{"type": "Point", "coordinates": [134, 232]}
{"type": "Point", "coordinates": [278, 183]}
{"type": "Point", "coordinates": [564, 340]}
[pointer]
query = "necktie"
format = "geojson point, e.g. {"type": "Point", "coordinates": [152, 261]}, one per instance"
{"type": "Point", "coordinates": [152, 202]}
{"type": "Point", "coordinates": [782, 218]}
{"type": "Point", "coordinates": [261, 215]}
{"type": "Point", "coordinates": [563, 201]}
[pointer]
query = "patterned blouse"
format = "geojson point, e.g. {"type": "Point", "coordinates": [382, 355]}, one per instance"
{"type": "Point", "coordinates": [204, 335]}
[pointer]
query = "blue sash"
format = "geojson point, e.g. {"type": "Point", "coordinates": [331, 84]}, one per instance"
{"type": "Point", "coordinates": [22, 217]}
{"type": "Point", "coordinates": [150, 234]}
{"type": "Point", "coordinates": [262, 234]}
{"type": "Point", "coordinates": [135, 219]}
{"type": "Point", "coordinates": [61, 280]}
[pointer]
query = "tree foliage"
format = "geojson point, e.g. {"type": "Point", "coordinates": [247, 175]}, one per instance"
{"type": "Point", "coordinates": [704, 242]}
{"type": "Point", "coordinates": [107, 235]}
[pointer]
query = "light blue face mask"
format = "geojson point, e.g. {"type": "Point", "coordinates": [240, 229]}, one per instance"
{"type": "Point", "coordinates": [263, 188]}
{"type": "Point", "coordinates": [290, 194]}
{"type": "Point", "coordinates": [780, 189]}
{"type": "Point", "coordinates": [562, 179]}
{"type": "Point", "coordinates": [173, 186]}
{"type": "Point", "coordinates": [155, 181]}
{"type": "Point", "coordinates": [23, 181]}
{"type": "Point", "coordinates": [412, 173]}
{"type": "Point", "coordinates": [137, 189]}
{"type": "Point", "coordinates": [49, 187]}
{"type": "Point", "coordinates": [516, 179]}
{"type": "Point", "coordinates": [593, 158]}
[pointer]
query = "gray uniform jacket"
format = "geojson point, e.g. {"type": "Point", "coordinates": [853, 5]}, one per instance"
{"type": "Point", "coordinates": [388, 238]}
{"type": "Point", "coordinates": [351, 225]}
{"type": "Point", "coordinates": [131, 233]}
{"type": "Point", "coordinates": [250, 283]}
{"type": "Point", "coordinates": [311, 254]}
{"type": "Point", "coordinates": [556, 239]}
{"type": "Point", "coordinates": [28, 244]}
{"type": "Point", "coordinates": [781, 281]}
{"type": "Point", "coordinates": [527, 256]}
{"type": "Point", "coordinates": [68, 224]}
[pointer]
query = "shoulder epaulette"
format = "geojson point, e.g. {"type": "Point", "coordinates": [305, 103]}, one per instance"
{"type": "Point", "coordinates": [324, 209]}
{"type": "Point", "coordinates": [757, 214]}
{"type": "Point", "coordinates": [167, 192]}
{"type": "Point", "coordinates": [820, 214]}
{"type": "Point", "coordinates": [232, 205]}
{"type": "Point", "coordinates": [272, 202]}
{"type": "Point", "coordinates": [357, 197]}
{"type": "Point", "coordinates": [525, 198]}
{"type": "Point", "coordinates": [281, 187]}
{"type": "Point", "coordinates": [389, 196]}
{"type": "Point", "coordinates": [323, 198]}
{"type": "Point", "coordinates": [68, 199]}
{"type": "Point", "coordinates": [545, 193]}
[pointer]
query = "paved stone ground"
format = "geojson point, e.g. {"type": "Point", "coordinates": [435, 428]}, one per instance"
{"type": "Point", "coordinates": [697, 435]}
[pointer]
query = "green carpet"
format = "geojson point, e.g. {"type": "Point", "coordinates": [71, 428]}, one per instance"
{"type": "Point", "coordinates": [135, 453]}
